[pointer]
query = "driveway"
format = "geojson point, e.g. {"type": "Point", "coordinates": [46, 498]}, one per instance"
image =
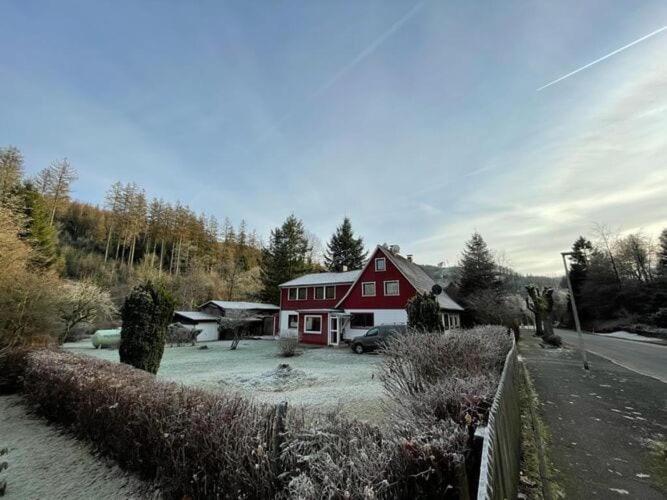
{"type": "Point", "coordinates": [646, 358]}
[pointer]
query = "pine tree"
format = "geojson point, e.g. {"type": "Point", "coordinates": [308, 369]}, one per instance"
{"type": "Point", "coordinates": [39, 232]}
{"type": "Point", "coordinates": [662, 255]}
{"type": "Point", "coordinates": [478, 269]}
{"type": "Point", "coordinates": [424, 313]}
{"type": "Point", "coordinates": [344, 251]}
{"type": "Point", "coordinates": [285, 258]}
{"type": "Point", "coordinates": [581, 250]}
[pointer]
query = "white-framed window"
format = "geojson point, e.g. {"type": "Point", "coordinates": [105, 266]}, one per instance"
{"type": "Point", "coordinates": [312, 324]}
{"type": "Point", "coordinates": [300, 293]}
{"type": "Point", "coordinates": [292, 321]}
{"type": "Point", "coordinates": [368, 289]}
{"type": "Point", "coordinates": [319, 293]}
{"type": "Point", "coordinates": [380, 264]}
{"type": "Point", "coordinates": [391, 287]}
{"type": "Point", "coordinates": [330, 292]}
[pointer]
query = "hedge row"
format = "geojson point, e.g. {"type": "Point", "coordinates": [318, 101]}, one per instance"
{"type": "Point", "coordinates": [221, 445]}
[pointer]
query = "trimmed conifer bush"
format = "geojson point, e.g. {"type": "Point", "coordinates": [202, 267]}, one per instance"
{"type": "Point", "coordinates": [424, 313]}
{"type": "Point", "coordinates": [146, 313]}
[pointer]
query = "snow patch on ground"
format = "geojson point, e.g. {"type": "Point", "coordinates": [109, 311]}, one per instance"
{"type": "Point", "coordinates": [45, 463]}
{"type": "Point", "coordinates": [622, 334]}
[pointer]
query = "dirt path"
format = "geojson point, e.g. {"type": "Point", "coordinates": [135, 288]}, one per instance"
{"type": "Point", "coordinates": [45, 463]}
{"type": "Point", "coordinates": [604, 425]}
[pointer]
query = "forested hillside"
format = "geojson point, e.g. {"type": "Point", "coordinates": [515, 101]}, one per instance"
{"type": "Point", "coordinates": [66, 263]}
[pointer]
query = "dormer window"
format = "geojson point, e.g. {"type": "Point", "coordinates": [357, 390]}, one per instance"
{"type": "Point", "coordinates": [380, 264]}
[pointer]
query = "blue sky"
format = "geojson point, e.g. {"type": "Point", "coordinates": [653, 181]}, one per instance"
{"type": "Point", "coordinates": [419, 120]}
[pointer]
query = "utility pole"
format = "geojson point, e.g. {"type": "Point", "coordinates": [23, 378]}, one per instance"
{"type": "Point", "coordinates": [582, 349]}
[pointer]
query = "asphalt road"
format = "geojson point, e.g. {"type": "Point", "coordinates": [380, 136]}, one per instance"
{"type": "Point", "coordinates": [645, 358]}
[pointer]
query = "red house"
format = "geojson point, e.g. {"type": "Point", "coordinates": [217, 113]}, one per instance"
{"type": "Point", "coordinates": [327, 308]}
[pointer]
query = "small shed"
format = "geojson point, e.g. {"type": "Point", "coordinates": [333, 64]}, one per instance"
{"type": "Point", "coordinates": [258, 316]}
{"type": "Point", "coordinates": [207, 323]}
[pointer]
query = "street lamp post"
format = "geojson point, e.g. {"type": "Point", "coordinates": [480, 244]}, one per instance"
{"type": "Point", "coordinates": [582, 349]}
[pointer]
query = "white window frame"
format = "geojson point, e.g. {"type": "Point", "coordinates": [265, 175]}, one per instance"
{"type": "Point", "coordinates": [398, 288]}
{"type": "Point", "coordinates": [334, 292]}
{"type": "Point", "coordinates": [302, 288]}
{"type": "Point", "coordinates": [324, 293]}
{"type": "Point", "coordinates": [289, 293]}
{"type": "Point", "coordinates": [363, 289]}
{"type": "Point", "coordinates": [384, 264]}
{"type": "Point", "coordinates": [297, 322]}
{"type": "Point", "coordinates": [305, 323]}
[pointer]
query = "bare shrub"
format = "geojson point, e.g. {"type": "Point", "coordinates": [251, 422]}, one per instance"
{"type": "Point", "coordinates": [553, 340]}
{"type": "Point", "coordinates": [416, 360]}
{"type": "Point", "coordinates": [332, 457]}
{"type": "Point", "coordinates": [179, 334]}
{"type": "Point", "coordinates": [200, 444]}
{"type": "Point", "coordinates": [287, 347]}
{"type": "Point", "coordinates": [12, 368]}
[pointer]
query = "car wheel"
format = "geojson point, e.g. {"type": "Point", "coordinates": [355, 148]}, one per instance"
{"type": "Point", "coordinates": [358, 348]}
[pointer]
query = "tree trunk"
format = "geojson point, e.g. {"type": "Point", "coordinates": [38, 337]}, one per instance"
{"type": "Point", "coordinates": [106, 251]}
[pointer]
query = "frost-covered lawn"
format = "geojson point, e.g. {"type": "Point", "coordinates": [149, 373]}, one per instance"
{"type": "Point", "coordinates": [45, 463]}
{"type": "Point", "coordinates": [325, 378]}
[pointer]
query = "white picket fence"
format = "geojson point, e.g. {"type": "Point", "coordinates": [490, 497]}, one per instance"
{"type": "Point", "coordinates": [501, 452]}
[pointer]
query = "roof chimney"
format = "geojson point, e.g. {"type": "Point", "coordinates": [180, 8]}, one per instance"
{"type": "Point", "coordinates": [409, 257]}
{"type": "Point", "coordinates": [344, 268]}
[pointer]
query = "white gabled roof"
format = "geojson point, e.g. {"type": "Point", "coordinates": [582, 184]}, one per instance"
{"type": "Point", "coordinates": [228, 304]}
{"type": "Point", "coordinates": [196, 316]}
{"type": "Point", "coordinates": [324, 279]}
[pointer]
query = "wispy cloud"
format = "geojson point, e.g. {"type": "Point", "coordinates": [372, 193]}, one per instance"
{"type": "Point", "coordinates": [600, 59]}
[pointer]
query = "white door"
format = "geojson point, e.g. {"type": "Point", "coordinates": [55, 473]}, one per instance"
{"type": "Point", "coordinates": [333, 331]}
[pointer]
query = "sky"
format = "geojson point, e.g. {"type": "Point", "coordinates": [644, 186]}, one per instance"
{"type": "Point", "coordinates": [421, 121]}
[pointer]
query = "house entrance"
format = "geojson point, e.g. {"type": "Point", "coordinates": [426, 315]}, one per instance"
{"type": "Point", "coordinates": [334, 330]}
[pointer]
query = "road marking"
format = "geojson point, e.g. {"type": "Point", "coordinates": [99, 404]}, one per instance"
{"type": "Point", "coordinates": [664, 381]}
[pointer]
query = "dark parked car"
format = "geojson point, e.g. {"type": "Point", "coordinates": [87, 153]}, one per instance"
{"type": "Point", "coordinates": [375, 337]}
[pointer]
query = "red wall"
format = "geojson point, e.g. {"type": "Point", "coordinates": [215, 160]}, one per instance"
{"type": "Point", "coordinates": [313, 338]}
{"type": "Point", "coordinates": [310, 302]}
{"type": "Point", "coordinates": [406, 290]}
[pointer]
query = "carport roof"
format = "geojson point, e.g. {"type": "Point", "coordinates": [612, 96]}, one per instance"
{"type": "Point", "coordinates": [196, 316]}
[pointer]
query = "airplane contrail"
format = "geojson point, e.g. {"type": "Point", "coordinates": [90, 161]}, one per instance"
{"type": "Point", "coordinates": [653, 33]}
{"type": "Point", "coordinates": [365, 53]}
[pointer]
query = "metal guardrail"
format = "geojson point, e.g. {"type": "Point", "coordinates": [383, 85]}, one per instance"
{"type": "Point", "coordinates": [499, 470]}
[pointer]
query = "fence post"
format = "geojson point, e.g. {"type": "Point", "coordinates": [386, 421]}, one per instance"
{"type": "Point", "coordinates": [278, 432]}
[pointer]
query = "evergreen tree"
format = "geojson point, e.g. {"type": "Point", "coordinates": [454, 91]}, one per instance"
{"type": "Point", "coordinates": [581, 250]}
{"type": "Point", "coordinates": [285, 258]}
{"type": "Point", "coordinates": [344, 250]}
{"type": "Point", "coordinates": [424, 313]}
{"type": "Point", "coordinates": [662, 255]}
{"type": "Point", "coordinates": [146, 313]}
{"type": "Point", "coordinates": [39, 232]}
{"type": "Point", "coordinates": [478, 269]}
